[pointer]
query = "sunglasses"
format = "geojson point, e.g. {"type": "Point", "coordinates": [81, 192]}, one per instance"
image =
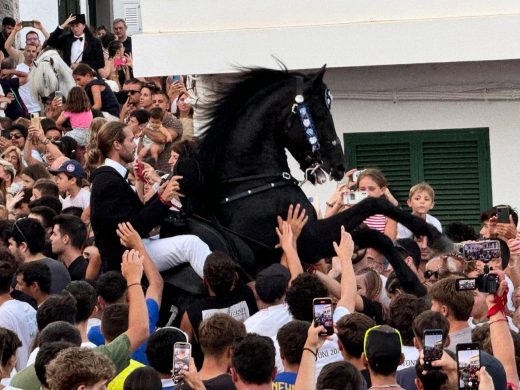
{"type": "Point", "coordinates": [131, 92]}
{"type": "Point", "coordinates": [428, 274]}
{"type": "Point", "coordinates": [16, 136]}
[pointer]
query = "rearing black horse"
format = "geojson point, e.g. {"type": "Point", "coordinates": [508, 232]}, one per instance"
{"type": "Point", "coordinates": [243, 163]}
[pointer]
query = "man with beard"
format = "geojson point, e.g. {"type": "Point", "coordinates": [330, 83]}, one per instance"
{"type": "Point", "coordinates": [113, 201]}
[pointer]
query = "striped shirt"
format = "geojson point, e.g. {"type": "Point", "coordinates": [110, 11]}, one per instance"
{"type": "Point", "coordinates": [376, 222]}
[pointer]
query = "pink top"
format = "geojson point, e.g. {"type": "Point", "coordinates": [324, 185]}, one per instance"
{"type": "Point", "coordinates": [81, 120]}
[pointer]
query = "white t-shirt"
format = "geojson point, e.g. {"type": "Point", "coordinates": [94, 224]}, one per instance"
{"type": "Point", "coordinates": [82, 199]}
{"type": "Point", "coordinates": [404, 232]}
{"type": "Point", "coordinates": [268, 321]}
{"type": "Point", "coordinates": [25, 91]}
{"type": "Point", "coordinates": [411, 354]}
{"type": "Point", "coordinates": [20, 317]}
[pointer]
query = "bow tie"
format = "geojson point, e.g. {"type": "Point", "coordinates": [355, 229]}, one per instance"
{"type": "Point", "coordinates": [78, 38]}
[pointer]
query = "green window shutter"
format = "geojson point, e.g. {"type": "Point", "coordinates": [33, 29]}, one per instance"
{"type": "Point", "coordinates": [454, 162]}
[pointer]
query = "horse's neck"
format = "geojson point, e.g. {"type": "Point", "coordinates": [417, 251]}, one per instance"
{"type": "Point", "coordinates": [252, 146]}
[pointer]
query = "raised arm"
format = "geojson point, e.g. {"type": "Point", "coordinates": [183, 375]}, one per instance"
{"type": "Point", "coordinates": [131, 240]}
{"type": "Point", "coordinates": [132, 270]}
{"type": "Point", "coordinates": [344, 250]}
{"type": "Point", "coordinates": [501, 339]}
{"type": "Point", "coordinates": [39, 26]}
{"type": "Point", "coordinates": [9, 43]}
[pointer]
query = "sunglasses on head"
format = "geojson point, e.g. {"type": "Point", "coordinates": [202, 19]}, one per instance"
{"type": "Point", "coordinates": [428, 274]}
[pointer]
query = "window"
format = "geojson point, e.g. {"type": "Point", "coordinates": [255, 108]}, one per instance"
{"type": "Point", "coordinates": [454, 162]}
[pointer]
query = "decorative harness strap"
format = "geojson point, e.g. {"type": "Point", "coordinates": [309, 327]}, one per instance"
{"type": "Point", "coordinates": [304, 112]}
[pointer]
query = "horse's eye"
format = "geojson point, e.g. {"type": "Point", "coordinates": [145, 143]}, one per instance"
{"type": "Point", "coordinates": [328, 98]}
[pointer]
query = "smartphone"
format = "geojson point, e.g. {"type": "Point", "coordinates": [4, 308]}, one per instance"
{"type": "Point", "coordinates": [322, 309]}
{"type": "Point", "coordinates": [432, 347]}
{"type": "Point", "coordinates": [28, 23]}
{"type": "Point", "coordinates": [468, 364]}
{"type": "Point", "coordinates": [59, 94]}
{"type": "Point", "coordinates": [119, 61]}
{"type": "Point", "coordinates": [503, 214]}
{"type": "Point", "coordinates": [175, 79]}
{"type": "Point", "coordinates": [139, 171]}
{"type": "Point", "coordinates": [35, 119]}
{"type": "Point", "coordinates": [485, 250]}
{"type": "Point", "coordinates": [181, 359]}
{"type": "Point", "coordinates": [466, 284]}
{"type": "Point", "coordinates": [6, 134]}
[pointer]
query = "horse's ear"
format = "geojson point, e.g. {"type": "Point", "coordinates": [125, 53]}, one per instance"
{"type": "Point", "coordinates": [317, 78]}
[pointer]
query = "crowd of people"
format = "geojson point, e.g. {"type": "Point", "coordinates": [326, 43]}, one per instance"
{"type": "Point", "coordinates": [85, 183]}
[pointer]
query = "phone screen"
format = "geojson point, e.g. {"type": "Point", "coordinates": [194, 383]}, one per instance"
{"type": "Point", "coordinates": [6, 134]}
{"type": "Point", "coordinates": [468, 364]}
{"type": "Point", "coordinates": [28, 23]}
{"type": "Point", "coordinates": [323, 314]}
{"type": "Point", "coordinates": [432, 346]}
{"type": "Point", "coordinates": [181, 359]}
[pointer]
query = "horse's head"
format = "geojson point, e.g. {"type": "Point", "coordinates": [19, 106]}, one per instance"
{"type": "Point", "coordinates": [50, 74]}
{"type": "Point", "coordinates": [310, 133]}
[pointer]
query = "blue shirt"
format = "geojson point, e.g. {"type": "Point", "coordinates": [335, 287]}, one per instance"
{"type": "Point", "coordinates": [284, 381]}
{"type": "Point", "coordinates": [95, 336]}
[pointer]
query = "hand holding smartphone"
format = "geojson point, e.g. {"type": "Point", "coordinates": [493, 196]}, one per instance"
{"type": "Point", "coordinates": [468, 365]}
{"type": "Point", "coordinates": [181, 359]}
{"type": "Point", "coordinates": [322, 309]}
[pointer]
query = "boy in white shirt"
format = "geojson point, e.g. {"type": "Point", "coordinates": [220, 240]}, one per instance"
{"type": "Point", "coordinates": [69, 178]}
{"type": "Point", "coordinates": [421, 199]}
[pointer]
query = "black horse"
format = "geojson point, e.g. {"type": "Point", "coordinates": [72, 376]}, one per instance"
{"type": "Point", "coordinates": [242, 175]}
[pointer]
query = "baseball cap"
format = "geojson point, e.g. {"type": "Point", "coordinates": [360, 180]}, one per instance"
{"type": "Point", "coordinates": [272, 282]}
{"type": "Point", "coordinates": [70, 168]}
{"type": "Point", "coordinates": [382, 347]}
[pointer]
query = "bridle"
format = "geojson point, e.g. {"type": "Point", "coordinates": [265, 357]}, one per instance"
{"type": "Point", "coordinates": [50, 61]}
{"type": "Point", "coordinates": [303, 111]}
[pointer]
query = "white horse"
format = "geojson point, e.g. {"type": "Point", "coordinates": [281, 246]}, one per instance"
{"type": "Point", "coordinates": [50, 74]}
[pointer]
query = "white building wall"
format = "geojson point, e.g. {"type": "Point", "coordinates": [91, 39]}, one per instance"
{"type": "Point", "coordinates": [46, 11]}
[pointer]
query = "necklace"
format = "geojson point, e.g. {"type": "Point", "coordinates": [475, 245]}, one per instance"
{"type": "Point", "coordinates": [384, 386]}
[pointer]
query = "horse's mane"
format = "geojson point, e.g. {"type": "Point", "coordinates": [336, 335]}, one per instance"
{"type": "Point", "coordinates": [231, 97]}
{"type": "Point", "coordinates": [42, 77]}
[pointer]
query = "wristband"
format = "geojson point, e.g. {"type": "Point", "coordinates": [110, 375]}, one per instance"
{"type": "Point", "coordinates": [133, 284]}
{"type": "Point", "coordinates": [500, 304]}
{"type": "Point", "coordinates": [311, 351]}
{"type": "Point", "coordinates": [165, 202]}
{"type": "Point", "coordinates": [498, 320]}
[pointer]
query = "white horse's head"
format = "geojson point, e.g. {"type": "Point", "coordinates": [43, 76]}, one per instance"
{"type": "Point", "coordinates": [50, 74]}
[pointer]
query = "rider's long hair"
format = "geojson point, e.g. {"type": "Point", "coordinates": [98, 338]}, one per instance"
{"type": "Point", "coordinates": [102, 143]}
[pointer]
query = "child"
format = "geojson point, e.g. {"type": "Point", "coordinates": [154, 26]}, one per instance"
{"type": "Point", "coordinates": [374, 183]}
{"type": "Point", "coordinates": [421, 199]}
{"type": "Point", "coordinates": [69, 177]}
{"type": "Point", "coordinates": [150, 147]}
{"type": "Point", "coordinates": [77, 109]}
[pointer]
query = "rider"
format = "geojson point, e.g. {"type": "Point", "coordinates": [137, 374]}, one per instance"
{"type": "Point", "coordinates": [113, 201]}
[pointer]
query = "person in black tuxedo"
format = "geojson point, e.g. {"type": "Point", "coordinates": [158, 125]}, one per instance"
{"type": "Point", "coordinates": [79, 45]}
{"type": "Point", "coordinates": [113, 201]}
